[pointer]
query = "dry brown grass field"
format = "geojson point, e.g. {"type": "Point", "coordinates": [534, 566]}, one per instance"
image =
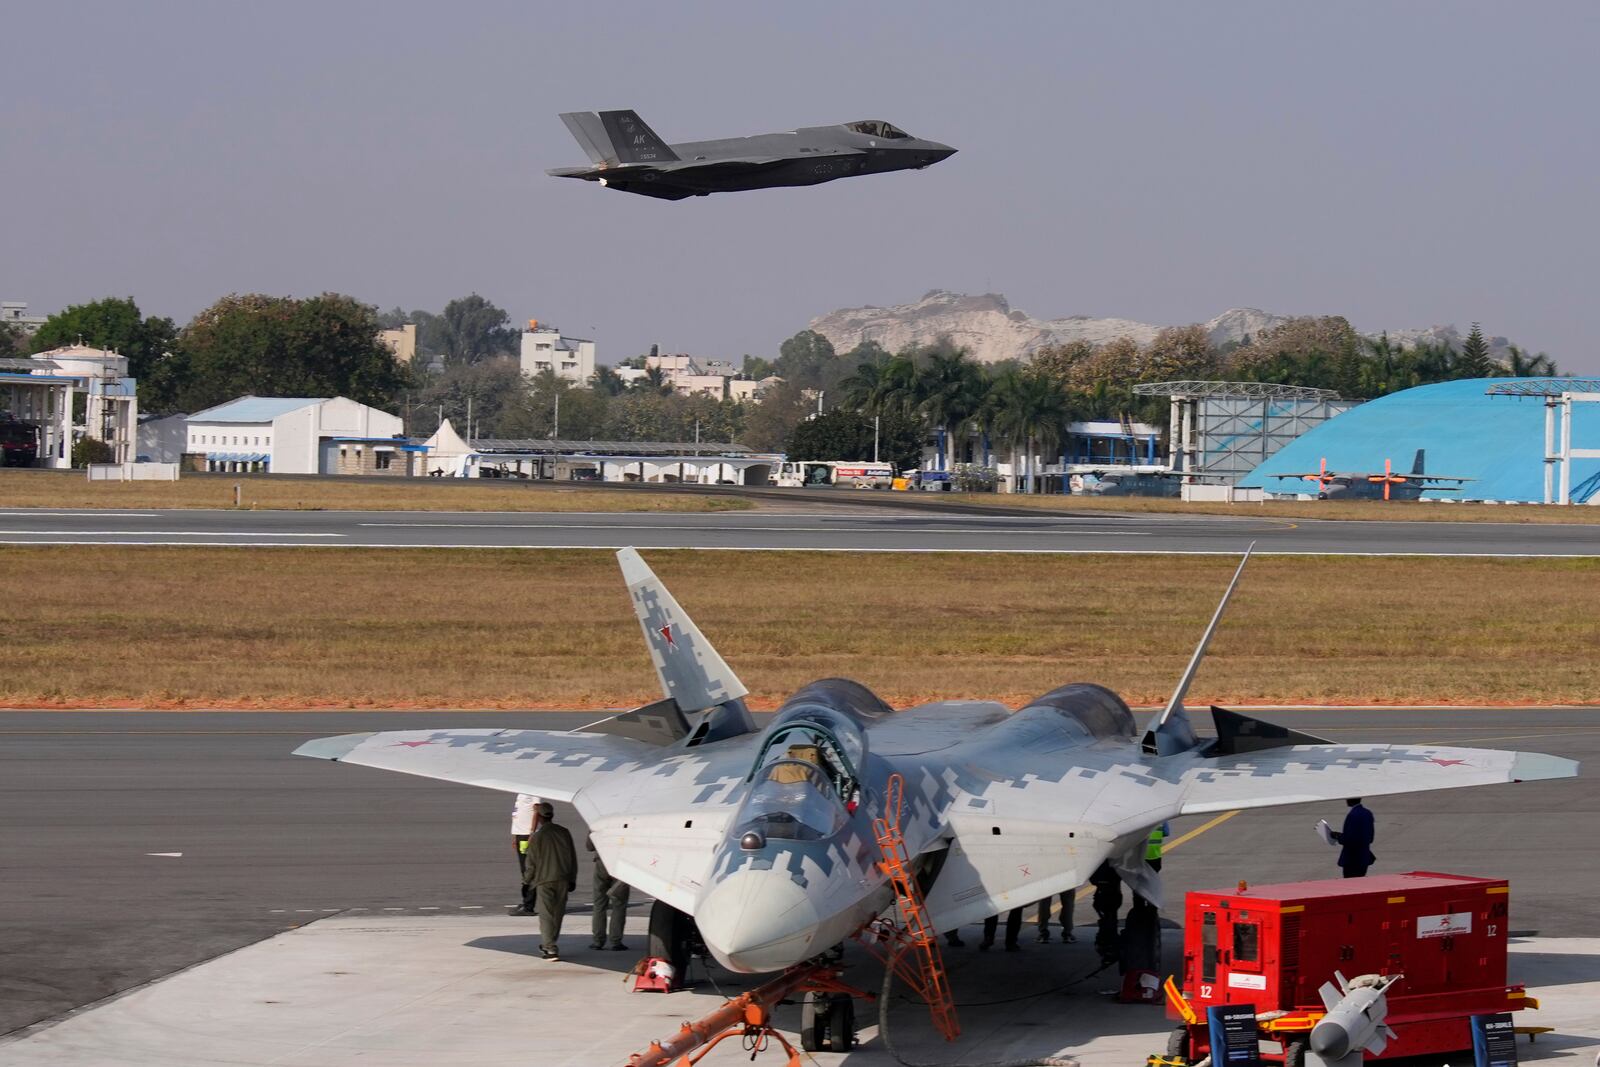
{"type": "Point", "coordinates": [71, 489]}
{"type": "Point", "coordinates": [1369, 510]}
{"type": "Point", "coordinates": [293, 627]}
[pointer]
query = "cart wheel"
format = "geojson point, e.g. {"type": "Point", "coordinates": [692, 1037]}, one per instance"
{"type": "Point", "coordinates": [670, 931]}
{"type": "Point", "coordinates": [841, 1025]}
{"type": "Point", "coordinates": [813, 1024]}
{"type": "Point", "coordinates": [1178, 1044]}
{"type": "Point", "coordinates": [1294, 1053]}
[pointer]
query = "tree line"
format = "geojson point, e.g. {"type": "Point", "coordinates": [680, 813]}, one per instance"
{"type": "Point", "coordinates": [823, 405]}
{"type": "Point", "coordinates": [1024, 408]}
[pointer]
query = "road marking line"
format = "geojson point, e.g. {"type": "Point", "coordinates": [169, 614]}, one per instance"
{"type": "Point", "coordinates": [629, 527]}
{"type": "Point", "coordinates": [470, 907]}
{"type": "Point", "coordinates": [80, 514]}
{"type": "Point", "coordinates": [1198, 830]}
{"type": "Point", "coordinates": [1230, 552]}
{"type": "Point", "coordinates": [170, 533]}
{"type": "Point", "coordinates": [429, 907]}
{"type": "Point", "coordinates": [394, 909]}
{"type": "Point", "coordinates": [168, 855]}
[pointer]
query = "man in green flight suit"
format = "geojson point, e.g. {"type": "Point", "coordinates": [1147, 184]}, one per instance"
{"type": "Point", "coordinates": [551, 869]}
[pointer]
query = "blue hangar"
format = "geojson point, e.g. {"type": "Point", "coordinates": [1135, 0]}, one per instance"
{"type": "Point", "coordinates": [1497, 441]}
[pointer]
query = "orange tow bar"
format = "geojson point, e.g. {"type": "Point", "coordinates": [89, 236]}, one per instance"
{"type": "Point", "coordinates": [748, 1015]}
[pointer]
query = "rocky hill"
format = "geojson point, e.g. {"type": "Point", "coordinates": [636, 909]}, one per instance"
{"type": "Point", "coordinates": [991, 330]}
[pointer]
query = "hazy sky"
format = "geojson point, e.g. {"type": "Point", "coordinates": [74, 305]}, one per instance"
{"type": "Point", "coordinates": [1404, 164]}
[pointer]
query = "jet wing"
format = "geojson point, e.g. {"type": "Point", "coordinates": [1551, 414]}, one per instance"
{"type": "Point", "coordinates": [549, 764]}
{"type": "Point", "coordinates": [1304, 773]}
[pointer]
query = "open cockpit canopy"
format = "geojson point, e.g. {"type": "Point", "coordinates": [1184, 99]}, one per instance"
{"type": "Point", "coordinates": [877, 128]}
{"type": "Point", "coordinates": [830, 743]}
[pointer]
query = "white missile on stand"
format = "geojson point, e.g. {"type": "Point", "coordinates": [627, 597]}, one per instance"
{"type": "Point", "coordinates": [1355, 1021]}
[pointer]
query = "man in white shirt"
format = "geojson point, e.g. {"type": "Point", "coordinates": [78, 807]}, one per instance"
{"type": "Point", "coordinates": [521, 827]}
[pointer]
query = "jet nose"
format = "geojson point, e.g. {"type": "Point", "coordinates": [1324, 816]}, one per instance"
{"type": "Point", "coordinates": [940, 151]}
{"type": "Point", "coordinates": [757, 921]}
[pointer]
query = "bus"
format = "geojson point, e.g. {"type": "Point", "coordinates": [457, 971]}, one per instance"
{"type": "Point", "coordinates": [810, 473]}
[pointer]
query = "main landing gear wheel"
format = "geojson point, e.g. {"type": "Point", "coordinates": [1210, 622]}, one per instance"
{"type": "Point", "coordinates": [827, 1023]}
{"type": "Point", "coordinates": [671, 939]}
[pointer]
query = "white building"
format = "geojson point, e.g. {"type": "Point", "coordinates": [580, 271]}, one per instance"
{"type": "Point", "coordinates": [36, 405]}
{"type": "Point", "coordinates": [299, 435]}
{"type": "Point", "coordinates": [571, 358]}
{"type": "Point", "coordinates": [15, 313]}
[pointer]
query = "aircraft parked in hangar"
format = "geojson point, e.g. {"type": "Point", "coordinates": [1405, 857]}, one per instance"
{"type": "Point", "coordinates": [630, 156]}
{"type": "Point", "coordinates": [1377, 485]}
{"type": "Point", "coordinates": [764, 835]}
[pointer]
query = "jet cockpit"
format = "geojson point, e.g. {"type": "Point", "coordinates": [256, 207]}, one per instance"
{"type": "Point", "coordinates": [804, 783]}
{"type": "Point", "coordinates": [877, 128]}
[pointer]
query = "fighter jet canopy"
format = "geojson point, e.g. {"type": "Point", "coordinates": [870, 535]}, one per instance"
{"type": "Point", "coordinates": [877, 128]}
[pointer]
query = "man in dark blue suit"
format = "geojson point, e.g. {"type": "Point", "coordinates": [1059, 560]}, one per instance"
{"type": "Point", "coordinates": [1356, 838]}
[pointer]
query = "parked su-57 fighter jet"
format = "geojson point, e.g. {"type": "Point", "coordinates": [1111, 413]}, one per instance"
{"type": "Point", "coordinates": [628, 155]}
{"type": "Point", "coordinates": [764, 834]}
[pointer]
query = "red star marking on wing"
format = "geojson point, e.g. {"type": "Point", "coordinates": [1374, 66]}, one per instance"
{"type": "Point", "coordinates": [1447, 762]}
{"type": "Point", "coordinates": [412, 744]}
{"type": "Point", "coordinates": [666, 632]}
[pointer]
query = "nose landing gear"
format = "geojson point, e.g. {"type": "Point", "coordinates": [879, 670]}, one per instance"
{"type": "Point", "coordinates": [827, 1022]}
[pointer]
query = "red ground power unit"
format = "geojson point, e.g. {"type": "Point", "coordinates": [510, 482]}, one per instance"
{"type": "Point", "coordinates": [1273, 946]}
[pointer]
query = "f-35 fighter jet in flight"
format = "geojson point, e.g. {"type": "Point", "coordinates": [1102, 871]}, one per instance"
{"type": "Point", "coordinates": [628, 155]}
{"type": "Point", "coordinates": [763, 834]}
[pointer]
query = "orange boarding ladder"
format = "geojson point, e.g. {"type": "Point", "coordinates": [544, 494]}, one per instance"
{"type": "Point", "coordinates": [912, 949]}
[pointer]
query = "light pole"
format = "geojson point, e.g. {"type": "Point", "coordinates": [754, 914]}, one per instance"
{"type": "Point", "coordinates": [875, 438]}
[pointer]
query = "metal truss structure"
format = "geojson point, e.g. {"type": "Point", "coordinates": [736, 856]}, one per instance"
{"type": "Point", "coordinates": [1221, 431]}
{"type": "Point", "coordinates": [1559, 395]}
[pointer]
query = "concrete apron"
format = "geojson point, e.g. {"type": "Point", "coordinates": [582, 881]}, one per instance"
{"type": "Point", "coordinates": [417, 992]}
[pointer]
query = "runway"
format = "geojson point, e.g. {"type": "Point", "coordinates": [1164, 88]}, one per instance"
{"type": "Point", "coordinates": [844, 529]}
{"type": "Point", "coordinates": [136, 844]}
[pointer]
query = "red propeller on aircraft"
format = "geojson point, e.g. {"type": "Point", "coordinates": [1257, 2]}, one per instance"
{"type": "Point", "coordinates": [1322, 478]}
{"type": "Point", "coordinates": [1388, 478]}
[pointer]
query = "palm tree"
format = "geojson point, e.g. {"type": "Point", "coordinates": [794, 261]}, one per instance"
{"type": "Point", "coordinates": [1521, 365]}
{"type": "Point", "coordinates": [607, 381]}
{"type": "Point", "coordinates": [654, 381]}
{"type": "Point", "coordinates": [1030, 410]}
{"type": "Point", "coordinates": [950, 391]}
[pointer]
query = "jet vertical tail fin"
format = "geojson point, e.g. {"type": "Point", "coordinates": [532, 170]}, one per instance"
{"type": "Point", "coordinates": [1182, 734]}
{"type": "Point", "coordinates": [632, 141]}
{"type": "Point", "coordinates": [1417, 464]}
{"type": "Point", "coordinates": [587, 129]}
{"type": "Point", "coordinates": [690, 670]}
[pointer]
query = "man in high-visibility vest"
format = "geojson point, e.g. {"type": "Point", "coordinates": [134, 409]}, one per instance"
{"type": "Point", "coordinates": [521, 827]}
{"type": "Point", "coordinates": [1153, 846]}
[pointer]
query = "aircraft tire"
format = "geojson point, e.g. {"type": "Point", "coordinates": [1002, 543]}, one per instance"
{"type": "Point", "coordinates": [813, 1024]}
{"type": "Point", "coordinates": [841, 1025]}
{"type": "Point", "coordinates": [669, 939]}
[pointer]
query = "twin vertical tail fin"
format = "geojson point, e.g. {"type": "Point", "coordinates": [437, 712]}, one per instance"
{"type": "Point", "coordinates": [1170, 731]}
{"type": "Point", "coordinates": [691, 671]}
{"type": "Point", "coordinates": [617, 137]}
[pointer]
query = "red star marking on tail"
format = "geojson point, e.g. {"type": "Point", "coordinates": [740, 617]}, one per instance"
{"type": "Point", "coordinates": [1447, 762]}
{"type": "Point", "coordinates": [666, 632]}
{"type": "Point", "coordinates": [412, 744]}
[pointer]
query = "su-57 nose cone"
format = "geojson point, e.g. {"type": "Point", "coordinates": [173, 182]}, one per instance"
{"type": "Point", "coordinates": [757, 921]}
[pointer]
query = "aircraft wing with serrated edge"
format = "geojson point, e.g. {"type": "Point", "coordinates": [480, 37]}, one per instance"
{"type": "Point", "coordinates": [1303, 773]}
